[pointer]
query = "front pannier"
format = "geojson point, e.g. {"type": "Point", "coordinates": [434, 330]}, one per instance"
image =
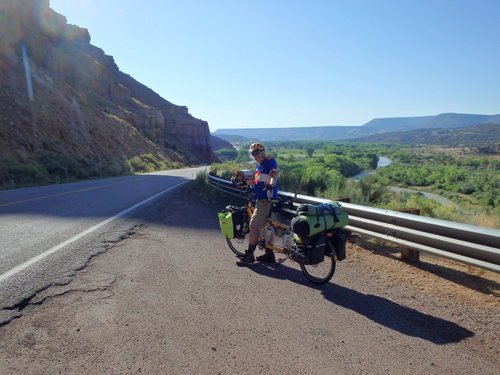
{"type": "Point", "coordinates": [310, 250]}
{"type": "Point", "coordinates": [231, 221]}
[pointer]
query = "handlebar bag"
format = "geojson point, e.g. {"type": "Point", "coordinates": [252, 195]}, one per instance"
{"type": "Point", "coordinates": [243, 178]}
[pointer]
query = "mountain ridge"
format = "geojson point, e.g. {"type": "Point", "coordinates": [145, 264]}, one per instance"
{"type": "Point", "coordinates": [474, 136]}
{"type": "Point", "coordinates": [375, 126]}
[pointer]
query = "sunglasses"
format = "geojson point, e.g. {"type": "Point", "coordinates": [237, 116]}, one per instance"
{"type": "Point", "coordinates": [255, 153]}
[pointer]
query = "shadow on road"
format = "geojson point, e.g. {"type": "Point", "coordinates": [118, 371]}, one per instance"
{"type": "Point", "coordinates": [380, 310]}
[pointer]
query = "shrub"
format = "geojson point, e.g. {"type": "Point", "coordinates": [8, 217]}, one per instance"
{"type": "Point", "coordinates": [14, 174]}
{"type": "Point", "coordinates": [60, 167]}
{"type": "Point", "coordinates": [226, 154]}
{"type": "Point", "coordinates": [146, 163]}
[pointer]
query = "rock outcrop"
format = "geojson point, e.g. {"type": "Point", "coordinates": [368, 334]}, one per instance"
{"type": "Point", "coordinates": [61, 94]}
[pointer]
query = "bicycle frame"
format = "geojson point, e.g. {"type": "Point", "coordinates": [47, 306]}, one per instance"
{"type": "Point", "coordinates": [272, 223]}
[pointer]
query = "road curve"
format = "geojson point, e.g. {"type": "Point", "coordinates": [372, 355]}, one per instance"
{"type": "Point", "coordinates": [438, 198]}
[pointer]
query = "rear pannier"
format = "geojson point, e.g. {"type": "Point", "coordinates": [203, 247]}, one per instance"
{"type": "Point", "coordinates": [231, 221]}
{"type": "Point", "coordinates": [310, 250]}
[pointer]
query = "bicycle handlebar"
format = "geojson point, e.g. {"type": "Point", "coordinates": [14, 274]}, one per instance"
{"type": "Point", "coordinates": [248, 194]}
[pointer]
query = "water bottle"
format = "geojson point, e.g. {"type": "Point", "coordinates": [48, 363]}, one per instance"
{"type": "Point", "coordinates": [268, 235]}
{"type": "Point", "coordinates": [286, 239]}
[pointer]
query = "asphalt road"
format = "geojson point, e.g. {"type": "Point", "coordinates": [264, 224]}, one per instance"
{"type": "Point", "coordinates": [169, 299]}
{"type": "Point", "coordinates": [49, 232]}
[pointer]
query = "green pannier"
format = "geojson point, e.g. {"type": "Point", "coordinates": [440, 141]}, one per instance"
{"type": "Point", "coordinates": [313, 219]}
{"type": "Point", "coordinates": [231, 221]}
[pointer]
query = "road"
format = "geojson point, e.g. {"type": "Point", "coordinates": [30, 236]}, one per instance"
{"type": "Point", "coordinates": [167, 298]}
{"type": "Point", "coordinates": [438, 198]}
{"type": "Point", "coordinates": [49, 232]}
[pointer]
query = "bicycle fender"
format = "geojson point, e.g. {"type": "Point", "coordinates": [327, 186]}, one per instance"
{"type": "Point", "coordinates": [338, 241]}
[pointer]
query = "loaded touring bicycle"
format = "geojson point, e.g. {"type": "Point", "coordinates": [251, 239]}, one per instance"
{"type": "Point", "coordinates": [314, 237]}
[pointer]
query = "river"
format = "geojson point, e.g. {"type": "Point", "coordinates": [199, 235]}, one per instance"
{"type": "Point", "coordinates": [382, 162]}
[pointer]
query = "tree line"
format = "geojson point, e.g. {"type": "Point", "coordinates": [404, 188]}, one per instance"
{"type": "Point", "coordinates": [324, 169]}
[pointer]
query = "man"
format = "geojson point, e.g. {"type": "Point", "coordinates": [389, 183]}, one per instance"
{"type": "Point", "coordinates": [265, 189]}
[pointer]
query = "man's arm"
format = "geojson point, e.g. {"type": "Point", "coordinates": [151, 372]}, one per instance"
{"type": "Point", "coordinates": [274, 178]}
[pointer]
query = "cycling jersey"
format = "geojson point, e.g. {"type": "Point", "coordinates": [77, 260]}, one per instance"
{"type": "Point", "coordinates": [262, 172]}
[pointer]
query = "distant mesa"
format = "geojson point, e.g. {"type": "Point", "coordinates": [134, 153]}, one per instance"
{"type": "Point", "coordinates": [485, 137]}
{"type": "Point", "coordinates": [375, 126]}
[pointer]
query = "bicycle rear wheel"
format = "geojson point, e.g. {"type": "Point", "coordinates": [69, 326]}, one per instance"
{"type": "Point", "coordinates": [322, 272]}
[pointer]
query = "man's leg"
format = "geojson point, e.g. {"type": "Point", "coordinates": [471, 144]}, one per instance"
{"type": "Point", "coordinates": [253, 238]}
{"type": "Point", "coordinates": [259, 217]}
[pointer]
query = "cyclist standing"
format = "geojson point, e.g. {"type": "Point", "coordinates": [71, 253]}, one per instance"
{"type": "Point", "coordinates": [265, 189]}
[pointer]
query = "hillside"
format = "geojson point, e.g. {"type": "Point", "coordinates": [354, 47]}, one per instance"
{"type": "Point", "coordinates": [233, 138]}
{"type": "Point", "coordinates": [477, 135]}
{"type": "Point", "coordinates": [375, 126]}
{"type": "Point", "coordinates": [63, 96]}
{"type": "Point", "coordinates": [219, 143]}
{"type": "Point", "coordinates": [292, 134]}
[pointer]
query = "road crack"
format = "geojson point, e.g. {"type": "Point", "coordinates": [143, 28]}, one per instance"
{"type": "Point", "coordinates": [74, 290]}
{"type": "Point", "coordinates": [9, 313]}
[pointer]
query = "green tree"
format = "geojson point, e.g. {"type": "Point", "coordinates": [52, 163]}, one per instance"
{"type": "Point", "coordinates": [226, 153]}
{"type": "Point", "coordinates": [309, 151]}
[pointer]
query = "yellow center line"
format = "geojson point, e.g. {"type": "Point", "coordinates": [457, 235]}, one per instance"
{"type": "Point", "coordinates": [65, 193]}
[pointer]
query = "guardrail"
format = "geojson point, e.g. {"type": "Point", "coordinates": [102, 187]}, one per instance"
{"type": "Point", "coordinates": [465, 243]}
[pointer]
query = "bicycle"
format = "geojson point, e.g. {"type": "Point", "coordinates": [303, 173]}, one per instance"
{"type": "Point", "coordinates": [278, 237]}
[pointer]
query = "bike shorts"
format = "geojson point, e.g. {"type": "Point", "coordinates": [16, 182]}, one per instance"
{"type": "Point", "coordinates": [261, 213]}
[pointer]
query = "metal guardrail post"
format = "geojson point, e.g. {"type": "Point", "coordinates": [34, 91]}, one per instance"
{"type": "Point", "coordinates": [407, 253]}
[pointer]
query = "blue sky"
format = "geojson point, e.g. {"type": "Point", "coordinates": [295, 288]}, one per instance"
{"type": "Point", "coordinates": [281, 63]}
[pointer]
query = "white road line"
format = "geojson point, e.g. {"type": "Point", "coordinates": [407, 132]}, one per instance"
{"type": "Point", "coordinates": [56, 248]}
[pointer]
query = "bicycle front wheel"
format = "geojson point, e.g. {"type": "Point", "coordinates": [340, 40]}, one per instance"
{"type": "Point", "coordinates": [322, 272]}
{"type": "Point", "coordinates": [238, 245]}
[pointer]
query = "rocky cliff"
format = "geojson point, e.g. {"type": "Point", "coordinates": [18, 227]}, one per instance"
{"type": "Point", "coordinates": [61, 95]}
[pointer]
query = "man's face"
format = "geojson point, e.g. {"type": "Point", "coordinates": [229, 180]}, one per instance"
{"type": "Point", "coordinates": [258, 156]}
